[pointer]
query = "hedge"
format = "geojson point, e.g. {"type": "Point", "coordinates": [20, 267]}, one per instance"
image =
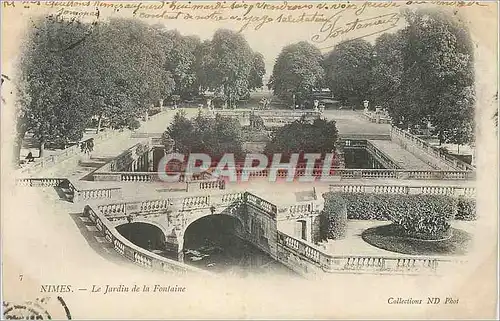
{"type": "Point", "coordinates": [419, 216]}
{"type": "Point", "coordinates": [371, 206]}
{"type": "Point", "coordinates": [333, 219]}
{"type": "Point", "coordinates": [466, 210]}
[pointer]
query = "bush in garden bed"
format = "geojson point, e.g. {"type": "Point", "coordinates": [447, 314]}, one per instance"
{"type": "Point", "coordinates": [333, 219]}
{"type": "Point", "coordinates": [466, 209]}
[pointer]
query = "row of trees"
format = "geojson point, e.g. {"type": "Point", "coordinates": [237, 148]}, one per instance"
{"type": "Point", "coordinates": [71, 72]}
{"type": "Point", "coordinates": [218, 135]}
{"type": "Point", "coordinates": [214, 136]}
{"type": "Point", "coordinates": [421, 73]}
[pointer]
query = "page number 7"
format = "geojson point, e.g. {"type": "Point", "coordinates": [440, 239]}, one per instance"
{"type": "Point", "coordinates": [20, 277]}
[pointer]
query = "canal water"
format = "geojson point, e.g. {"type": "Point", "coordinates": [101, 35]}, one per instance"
{"type": "Point", "coordinates": [233, 256]}
{"type": "Point", "coordinates": [210, 244]}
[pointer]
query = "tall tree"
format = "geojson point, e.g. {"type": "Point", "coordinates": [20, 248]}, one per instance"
{"type": "Point", "coordinates": [181, 62]}
{"type": "Point", "coordinates": [348, 70]}
{"type": "Point", "coordinates": [124, 74]}
{"type": "Point", "coordinates": [257, 72]}
{"type": "Point", "coordinates": [52, 103]}
{"type": "Point", "coordinates": [387, 74]}
{"type": "Point", "coordinates": [297, 72]}
{"type": "Point", "coordinates": [438, 80]}
{"type": "Point", "coordinates": [229, 66]}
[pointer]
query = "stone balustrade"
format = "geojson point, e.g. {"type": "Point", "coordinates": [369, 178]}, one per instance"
{"type": "Point", "coordinates": [299, 210]}
{"type": "Point", "coordinates": [139, 177]}
{"type": "Point", "coordinates": [253, 200]}
{"type": "Point", "coordinates": [65, 154]}
{"type": "Point", "coordinates": [383, 158]}
{"type": "Point", "coordinates": [404, 174]}
{"type": "Point", "coordinates": [101, 193]}
{"type": "Point", "coordinates": [196, 202]}
{"type": "Point", "coordinates": [40, 182]}
{"type": "Point", "coordinates": [133, 252]}
{"type": "Point", "coordinates": [268, 113]}
{"type": "Point", "coordinates": [209, 184]}
{"type": "Point", "coordinates": [132, 159]}
{"type": "Point", "coordinates": [377, 118]}
{"type": "Point", "coordinates": [119, 210]}
{"type": "Point", "coordinates": [76, 194]}
{"type": "Point", "coordinates": [358, 263]}
{"type": "Point", "coordinates": [398, 189]}
{"type": "Point", "coordinates": [344, 173]}
{"type": "Point", "coordinates": [146, 177]}
{"type": "Point", "coordinates": [230, 198]}
{"type": "Point", "coordinates": [410, 142]}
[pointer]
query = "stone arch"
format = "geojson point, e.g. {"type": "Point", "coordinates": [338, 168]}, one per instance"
{"type": "Point", "coordinates": [144, 221]}
{"type": "Point", "coordinates": [140, 233]}
{"type": "Point", "coordinates": [181, 236]}
{"type": "Point", "coordinates": [196, 218]}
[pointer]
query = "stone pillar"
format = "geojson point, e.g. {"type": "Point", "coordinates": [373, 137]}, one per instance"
{"type": "Point", "coordinates": [180, 241]}
{"type": "Point", "coordinates": [150, 160]}
{"type": "Point", "coordinates": [309, 223]}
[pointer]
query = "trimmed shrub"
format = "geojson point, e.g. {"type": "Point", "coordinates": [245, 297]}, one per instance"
{"type": "Point", "coordinates": [133, 124]}
{"type": "Point", "coordinates": [466, 209]}
{"type": "Point", "coordinates": [426, 216]}
{"type": "Point", "coordinates": [316, 229]}
{"type": "Point", "coordinates": [371, 206]}
{"type": "Point", "coordinates": [333, 221]}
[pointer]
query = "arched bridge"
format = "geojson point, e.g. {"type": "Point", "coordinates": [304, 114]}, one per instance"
{"type": "Point", "coordinates": [255, 217]}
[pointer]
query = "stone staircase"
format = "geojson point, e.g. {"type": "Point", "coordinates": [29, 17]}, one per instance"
{"type": "Point", "coordinates": [402, 157]}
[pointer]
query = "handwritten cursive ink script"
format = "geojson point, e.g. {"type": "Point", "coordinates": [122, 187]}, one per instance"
{"type": "Point", "coordinates": [333, 27]}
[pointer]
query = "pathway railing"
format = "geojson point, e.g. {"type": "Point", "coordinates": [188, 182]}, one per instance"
{"type": "Point", "coordinates": [359, 263]}
{"type": "Point", "coordinates": [67, 153]}
{"type": "Point", "coordinates": [121, 209]}
{"type": "Point", "coordinates": [299, 210]}
{"type": "Point", "coordinates": [468, 192]}
{"type": "Point", "coordinates": [146, 177]}
{"type": "Point", "coordinates": [344, 173]}
{"type": "Point", "coordinates": [377, 118]}
{"type": "Point", "coordinates": [382, 157]}
{"type": "Point", "coordinates": [75, 194]}
{"type": "Point", "coordinates": [404, 138]}
{"type": "Point", "coordinates": [402, 174]}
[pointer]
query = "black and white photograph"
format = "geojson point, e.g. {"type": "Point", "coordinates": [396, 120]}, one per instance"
{"type": "Point", "coordinates": [246, 159]}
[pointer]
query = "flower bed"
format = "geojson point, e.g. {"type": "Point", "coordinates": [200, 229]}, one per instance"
{"type": "Point", "coordinates": [390, 238]}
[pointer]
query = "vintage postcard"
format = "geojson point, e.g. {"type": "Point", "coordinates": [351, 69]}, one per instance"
{"type": "Point", "coordinates": [249, 159]}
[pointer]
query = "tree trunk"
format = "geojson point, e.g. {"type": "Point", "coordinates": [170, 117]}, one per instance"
{"type": "Point", "coordinates": [16, 156]}
{"type": "Point", "coordinates": [99, 124]}
{"type": "Point", "coordinates": [41, 149]}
